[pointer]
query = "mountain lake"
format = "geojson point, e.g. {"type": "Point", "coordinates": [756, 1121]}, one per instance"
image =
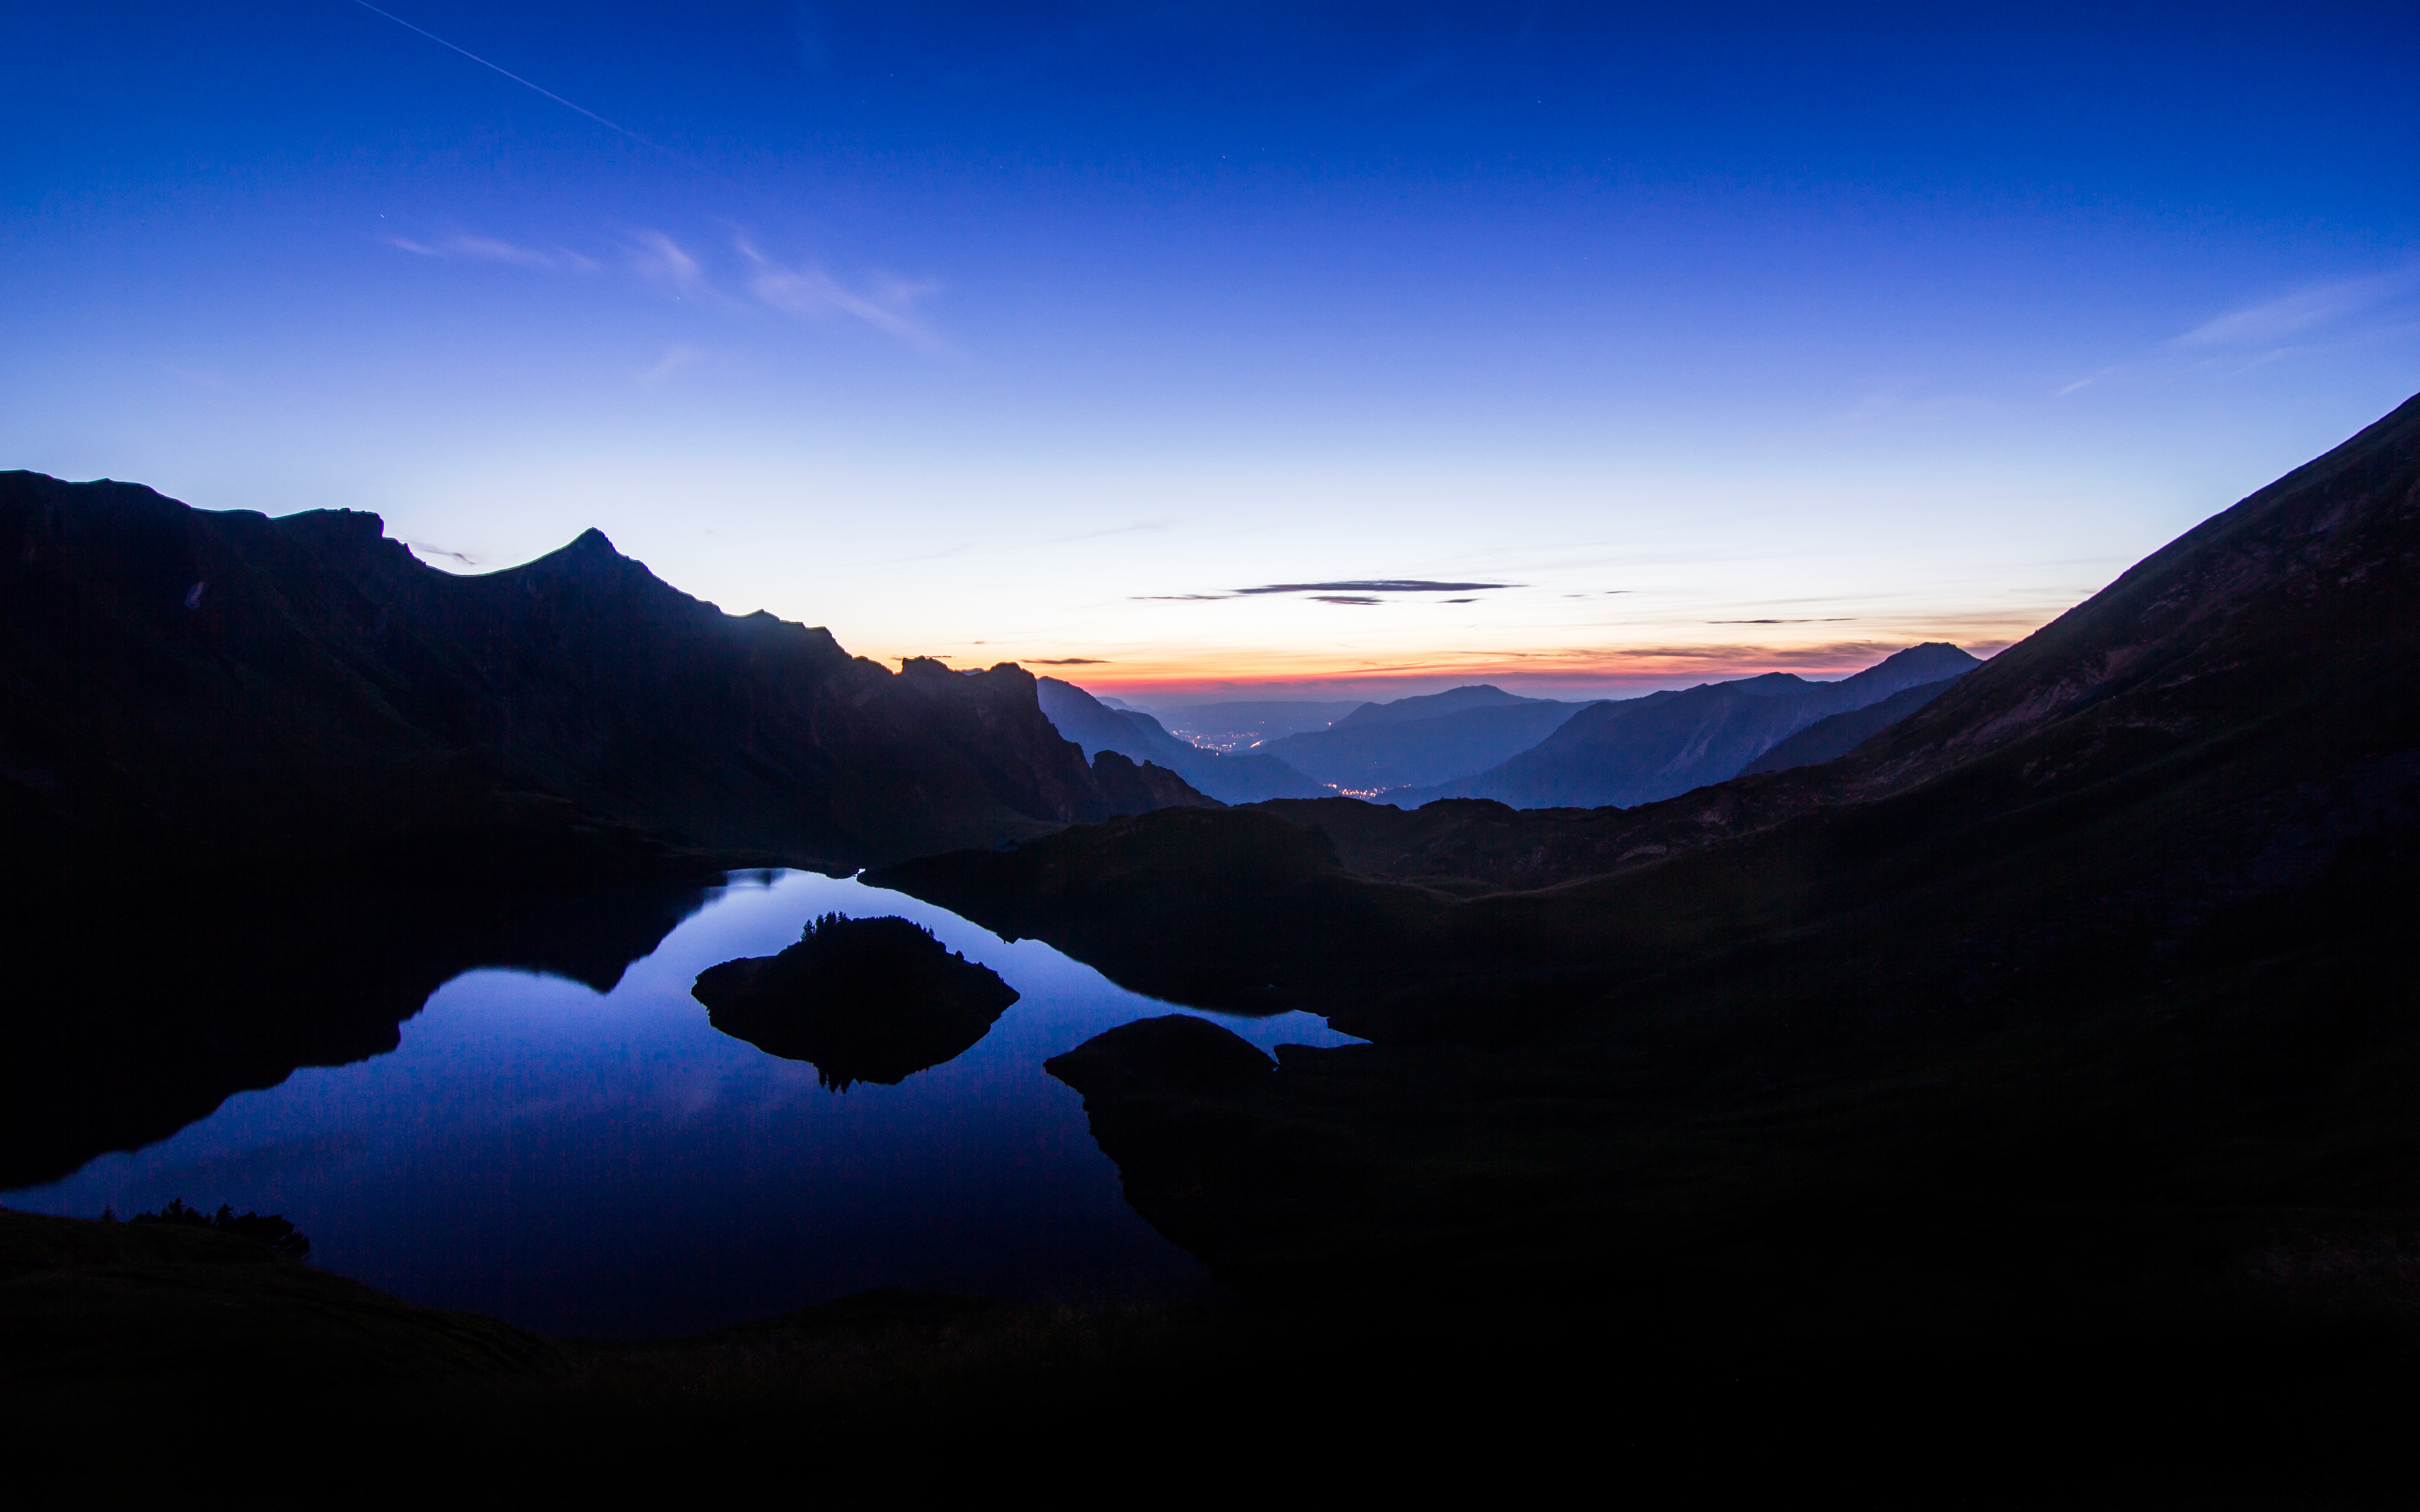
{"type": "Point", "coordinates": [611, 1167]}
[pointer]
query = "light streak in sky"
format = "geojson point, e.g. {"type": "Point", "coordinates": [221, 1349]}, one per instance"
{"type": "Point", "coordinates": [506, 72]}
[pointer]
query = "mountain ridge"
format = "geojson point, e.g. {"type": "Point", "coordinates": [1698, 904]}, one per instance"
{"type": "Point", "coordinates": [1637, 750]}
{"type": "Point", "coordinates": [230, 690]}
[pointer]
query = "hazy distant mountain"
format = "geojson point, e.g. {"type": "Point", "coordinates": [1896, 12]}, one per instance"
{"type": "Point", "coordinates": [1432, 705]}
{"type": "Point", "coordinates": [1240, 725]}
{"type": "Point", "coordinates": [1414, 742]}
{"type": "Point", "coordinates": [1832, 737]}
{"type": "Point", "coordinates": [1242, 778]}
{"type": "Point", "coordinates": [1638, 750]}
{"type": "Point", "coordinates": [222, 689]}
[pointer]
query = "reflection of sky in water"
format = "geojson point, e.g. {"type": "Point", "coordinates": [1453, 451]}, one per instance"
{"type": "Point", "coordinates": [615, 1166]}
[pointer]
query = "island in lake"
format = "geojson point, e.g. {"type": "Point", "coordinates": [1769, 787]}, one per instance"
{"type": "Point", "coordinates": [864, 999]}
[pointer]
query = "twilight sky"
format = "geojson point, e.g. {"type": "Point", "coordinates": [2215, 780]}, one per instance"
{"type": "Point", "coordinates": [1688, 341]}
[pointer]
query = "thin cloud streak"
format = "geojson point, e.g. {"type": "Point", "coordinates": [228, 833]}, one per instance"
{"type": "Point", "coordinates": [489, 249]}
{"type": "Point", "coordinates": [2276, 320]}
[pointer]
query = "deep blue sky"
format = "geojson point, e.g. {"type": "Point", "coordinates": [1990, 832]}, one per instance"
{"type": "Point", "coordinates": [1735, 339]}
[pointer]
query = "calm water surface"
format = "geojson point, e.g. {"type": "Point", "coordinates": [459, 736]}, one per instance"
{"type": "Point", "coordinates": [613, 1166]}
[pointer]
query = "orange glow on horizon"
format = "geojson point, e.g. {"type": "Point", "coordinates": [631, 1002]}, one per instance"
{"type": "Point", "coordinates": [1210, 676]}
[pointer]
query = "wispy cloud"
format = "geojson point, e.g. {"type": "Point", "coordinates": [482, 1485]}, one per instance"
{"type": "Point", "coordinates": [660, 260]}
{"type": "Point", "coordinates": [1066, 661]}
{"type": "Point", "coordinates": [2317, 317]}
{"type": "Point", "coordinates": [1886, 408]}
{"type": "Point", "coordinates": [2304, 312]}
{"type": "Point", "coordinates": [489, 249]}
{"type": "Point", "coordinates": [887, 303]}
{"type": "Point", "coordinates": [676, 357]}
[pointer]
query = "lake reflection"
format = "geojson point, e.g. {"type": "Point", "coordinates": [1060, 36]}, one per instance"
{"type": "Point", "coordinates": [611, 1167]}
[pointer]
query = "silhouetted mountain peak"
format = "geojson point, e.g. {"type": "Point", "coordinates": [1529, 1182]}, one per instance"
{"type": "Point", "coordinates": [1431, 705]}
{"type": "Point", "coordinates": [1930, 662]}
{"type": "Point", "coordinates": [1767, 685]}
{"type": "Point", "coordinates": [588, 554]}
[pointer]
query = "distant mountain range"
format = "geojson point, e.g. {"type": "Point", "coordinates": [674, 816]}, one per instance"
{"type": "Point", "coordinates": [1239, 777]}
{"type": "Point", "coordinates": [219, 689]}
{"type": "Point", "coordinates": [1639, 750]}
{"type": "Point", "coordinates": [1418, 741]}
{"type": "Point", "coordinates": [1480, 741]}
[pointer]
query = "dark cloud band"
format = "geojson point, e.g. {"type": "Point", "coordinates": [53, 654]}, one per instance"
{"type": "Point", "coordinates": [1372, 585]}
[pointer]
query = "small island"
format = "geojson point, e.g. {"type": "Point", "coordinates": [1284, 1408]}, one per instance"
{"type": "Point", "coordinates": [861, 999]}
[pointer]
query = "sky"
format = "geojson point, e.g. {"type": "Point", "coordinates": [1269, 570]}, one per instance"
{"type": "Point", "coordinates": [1236, 350]}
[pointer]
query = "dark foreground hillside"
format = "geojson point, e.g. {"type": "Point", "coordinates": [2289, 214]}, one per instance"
{"type": "Point", "coordinates": [208, 1351]}
{"type": "Point", "coordinates": [2078, 1004]}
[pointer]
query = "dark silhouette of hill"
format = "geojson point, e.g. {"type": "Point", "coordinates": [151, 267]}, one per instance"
{"type": "Point", "coordinates": [1418, 742]}
{"type": "Point", "coordinates": [220, 689]}
{"type": "Point", "coordinates": [1638, 750]}
{"type": "Point", "coordinates": [864, 999]}
{"type": "Point", "coordinates": [2071, 1002]}
{"type": "Point", "coordinates": [1836, 736]}
{"type": "Point", "coordinates": [1241, 778]}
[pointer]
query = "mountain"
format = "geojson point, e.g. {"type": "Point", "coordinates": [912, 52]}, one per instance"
{"type": "Point", "coordinates": [2075, 1005]}
{"type": "Point", "coordinates": [219, 689]}
{"type": "Point", "coordinates": [1432, 706]}
{"type": "Point", "coordinates": [1638, 750]}
{"type": "Point", "coordinates": [1239, 777]}
{"type": "Point", "coordinates": [1240, 725]}
{"type": "Point", "coordinates": [1836, 736]}
{"type": "Point", "coordinates": [1418, 742]}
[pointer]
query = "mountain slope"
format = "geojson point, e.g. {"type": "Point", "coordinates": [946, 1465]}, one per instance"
{"type": "Point", "coordinates": [1642, 749]}
{"type": "Point", "coordinates": [223, 689]}
{"type": "Point", "coordinates": [1836, 736]}
{"type": "Point", "coordinates": [1240, 778]}
{"type": "Point", "coordinates": [2081, 992]}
